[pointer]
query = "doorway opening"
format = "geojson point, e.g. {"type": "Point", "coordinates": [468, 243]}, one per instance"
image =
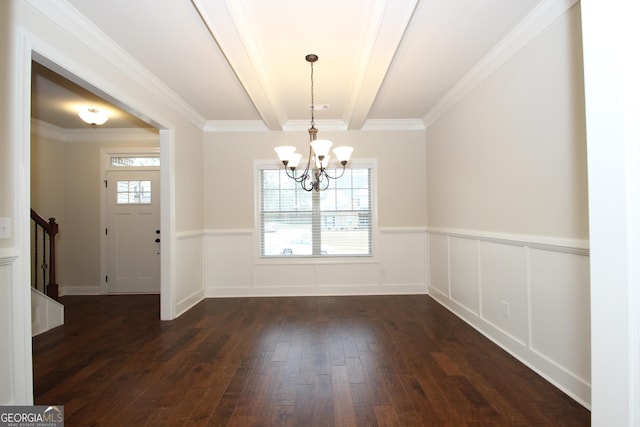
{"type": "Point", "coordinates": [72, 149]}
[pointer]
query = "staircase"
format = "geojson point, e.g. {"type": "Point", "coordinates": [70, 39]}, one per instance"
{"type": "Point", "coordinates": [46, 312]}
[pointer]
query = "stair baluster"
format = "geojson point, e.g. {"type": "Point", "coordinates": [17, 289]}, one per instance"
{"type": "Point", "coordinates": [49, 230]}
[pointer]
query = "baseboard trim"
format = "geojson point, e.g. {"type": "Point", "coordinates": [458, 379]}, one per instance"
{"type": "Point", "coordinates": [285, 291]}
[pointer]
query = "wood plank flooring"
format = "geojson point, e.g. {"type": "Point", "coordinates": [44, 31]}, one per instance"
{"type": "Point", "coordinates": [303, 361]}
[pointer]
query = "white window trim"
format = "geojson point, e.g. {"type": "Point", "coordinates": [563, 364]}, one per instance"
{"type": "Point", "coordinates": [261, 164]}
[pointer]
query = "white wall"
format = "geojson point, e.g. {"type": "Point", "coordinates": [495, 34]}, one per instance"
{"type": "Point", "coordinates": [508, 212]}
{"type": "Point", "coordinates": [612, 87]}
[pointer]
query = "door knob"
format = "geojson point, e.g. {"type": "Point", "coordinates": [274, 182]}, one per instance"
{"type": "Point", "coordinates": [157, 240]}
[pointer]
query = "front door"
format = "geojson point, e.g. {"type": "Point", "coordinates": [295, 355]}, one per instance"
{"type": "Point", "coordinates": [133, 231]}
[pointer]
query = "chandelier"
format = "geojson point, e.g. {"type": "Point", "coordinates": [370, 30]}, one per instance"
{"type": "Point", "coordinates": [314, 176]}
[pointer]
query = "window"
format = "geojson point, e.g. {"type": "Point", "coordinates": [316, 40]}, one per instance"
{"type": "Point", "coordinates": [333, 222]}
{"type": "Point", "coordinates": [134, 161]}
{"type": "Point", "coordinates": [133, 192]}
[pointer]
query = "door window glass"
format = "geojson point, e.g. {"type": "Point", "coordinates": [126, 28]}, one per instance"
{"type": "Point", "coordinates": [134, 192]}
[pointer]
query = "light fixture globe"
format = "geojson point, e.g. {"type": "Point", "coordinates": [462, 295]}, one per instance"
{"type": "Point", "coordinates": [93, 116]}
{"type": "Point", "coordinates": [321, 147]}
{"type": "Point", "coordinates": [343, 153]}
{"type": "Point", "coordinates": [284, 152]}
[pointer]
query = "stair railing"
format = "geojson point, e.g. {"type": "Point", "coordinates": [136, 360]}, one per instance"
{"type": "Point", "coordinates": [42, 259]}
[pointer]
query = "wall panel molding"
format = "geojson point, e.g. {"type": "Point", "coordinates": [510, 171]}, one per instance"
{"type": "Point", "coordinates": [233, 268]}
{"type": "Point", "coordinates": [530, 295]}
{"type": "Point", "coordinates": [557, 244]}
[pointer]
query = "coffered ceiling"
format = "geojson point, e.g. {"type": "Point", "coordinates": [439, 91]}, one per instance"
{"type": "Point", "coordinates": [239, 62]}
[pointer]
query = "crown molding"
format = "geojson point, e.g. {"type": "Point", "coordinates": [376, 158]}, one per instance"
{"type": "Point", "coordinates": [538, 20]}
{"type": "Point", "coordinates": [322, 125]}
{"type": "Point", "coordinates": [393, 124]}
{"type": "Point", "coordinates": [47, 130]}
{"type": "Point", "coordinates": [70, 20]}
{"type": "Point", "coordinates": [90, 135]}
{"type": "Point", "coordinates": [235, 126]}
{"type": "Point", "coordinates": [303, 125]}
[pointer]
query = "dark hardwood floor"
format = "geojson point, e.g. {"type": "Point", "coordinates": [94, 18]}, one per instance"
{"type": "Point", "coordinates": [303, 361]}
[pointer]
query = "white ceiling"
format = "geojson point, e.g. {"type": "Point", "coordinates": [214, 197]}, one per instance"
{"type": "Point", "coordinates": [244, 60]}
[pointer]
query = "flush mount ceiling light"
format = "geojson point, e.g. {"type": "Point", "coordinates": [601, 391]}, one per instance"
{"type": "Point", "coordinates": [314, 176]}
{"type": "Point", "coordinates": [94, 116]}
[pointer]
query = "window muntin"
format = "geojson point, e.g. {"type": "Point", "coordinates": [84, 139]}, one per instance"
{"type": "Point", "coordinates": [133, 192]}
{"type": "Point", "coordinates": [333, 222]}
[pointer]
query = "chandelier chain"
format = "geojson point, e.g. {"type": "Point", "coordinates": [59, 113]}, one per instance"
{"type": "Point", "coordinates": [312, 100]}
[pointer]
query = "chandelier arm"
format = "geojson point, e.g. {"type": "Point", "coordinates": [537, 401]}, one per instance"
{"type": "Point", "coordinates": [337, 176]}
{"type": "Point", "coordinates": [307, 184]}
{"type": "Point", "coordinates": [320, 186]}
{"type": "Point", "coordinates": [291, 175]}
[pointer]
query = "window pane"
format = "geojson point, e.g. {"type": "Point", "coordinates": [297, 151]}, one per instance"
{"type": "Point", "coordinates": [270, 179]}
{"type": "Point", "coordinates": [345, 180]}
{"type": "Point", "coordinates": [340, 223]}
{"type": "Point", "coordinates": [118, 161]}
{"type": "Point", "coordinates": [133, 192]}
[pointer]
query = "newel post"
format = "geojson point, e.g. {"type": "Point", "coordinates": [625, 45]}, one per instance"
{"type": "Point", "coordinates": [52, 287]}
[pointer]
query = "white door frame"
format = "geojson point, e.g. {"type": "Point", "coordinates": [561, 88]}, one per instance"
{"type": "Point", "coordinates": [105, 166]}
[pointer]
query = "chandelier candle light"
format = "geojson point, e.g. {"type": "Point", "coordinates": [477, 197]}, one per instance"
{"type": "Point", "coordinates": [314, 176]}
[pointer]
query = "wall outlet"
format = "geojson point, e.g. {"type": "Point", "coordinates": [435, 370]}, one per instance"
{"type": "Point", "coordinates": [505, 309]}
{"type": "Point", "coordinates": [5, 228]}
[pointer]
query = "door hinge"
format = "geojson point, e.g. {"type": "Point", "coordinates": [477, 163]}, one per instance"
{"type": "Point", "coordinates": [106, 231]}
{"type": "Point", "coordinates": [106, 279]}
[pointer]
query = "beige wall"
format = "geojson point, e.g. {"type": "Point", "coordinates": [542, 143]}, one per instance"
{"type": "Point", "coordinates": [6, 130]}
{"type": "Point", "coordinates": [511, 156]}
{"type": "Point", "coordinates": [48, 170]}
{"type": "Point", "coordinates": [229, 173]}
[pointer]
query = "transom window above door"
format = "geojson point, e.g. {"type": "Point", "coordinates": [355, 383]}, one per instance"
{"type": "Point", "coordinates": [135, 161]}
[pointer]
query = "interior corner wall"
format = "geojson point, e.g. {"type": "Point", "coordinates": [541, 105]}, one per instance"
{"type": "Point", "coordinates": [508, 208]}
{"type": "Point", "coordinates": [233, 265]}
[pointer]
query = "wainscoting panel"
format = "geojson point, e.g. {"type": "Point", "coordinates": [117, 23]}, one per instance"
{"type": "Point", "coordinates": [7, 395]}
{"type": "Point", "coordinates": [348, 275]}
{"type": "Point", "coordinates": [189, 275]}
{"type": "Point", "coordinates": [233, 268]}
{"type": "Point", "coordinates": [465, 281]}
{"type": "Point", "coordinates": [503, 297]}
{"type": "Point", "coordinates": [530, 295]}
{"type": "Point", "coordinates": [402, 256]}
{"type": "Point", "coordinates": [560, 301]}
{"type": "Point", "coordinates": [228, 263]}
{"type": "Point", "coordinates": [439, 264]}
{"type": "Point", "coordinates": [285, 276]}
